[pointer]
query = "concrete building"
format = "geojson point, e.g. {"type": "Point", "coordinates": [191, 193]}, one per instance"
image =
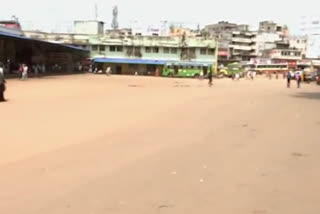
{"type": "Point", "coordinates": [299, 43]}
{"type": "Point", "coordinates": [221, 30]}
{"type": "Point", "coordinates": [243, 45]}
{"type": "Point", "coordinates": [145, 54]}
{"type": "Point", "coordinates": [236, 42]}
{"type": "Point", "coordinates": [89, 27]}
{"type": "Point", "coordinates": [283, 53]}
{"type": "Point", "coordinates": [272, 27]}
{"type": "Point", "coordinates": [268, 35]}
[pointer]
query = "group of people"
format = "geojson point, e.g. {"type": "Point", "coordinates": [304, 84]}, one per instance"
{"type": "Point", "coordinates": [24, 69]}
{"type": "Point", "coordinates": [251, 74]}
{"type": "Point", "coordinates": [294, 75]}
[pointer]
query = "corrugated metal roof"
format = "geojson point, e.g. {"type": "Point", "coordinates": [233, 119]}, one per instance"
{"type": "Point", "coordinates": [16, 36]}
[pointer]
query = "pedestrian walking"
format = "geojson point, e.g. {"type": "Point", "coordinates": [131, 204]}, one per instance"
{"type": "Point", "coordinates": [24, 72]}
{"type": "Point", "coordinates": [289, 77]}
{"type": "Point", "coordinates": [210, 78]}
{"type": "Point", "coordinates": [298, 79]}
{"type": "Point", "coordinates": [2, 84]}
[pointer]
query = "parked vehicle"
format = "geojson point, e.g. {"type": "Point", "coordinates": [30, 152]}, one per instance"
{"type": "Point", "coordinates": [186, 69]}
{"type": "Point", "coordinates": [271, 68]}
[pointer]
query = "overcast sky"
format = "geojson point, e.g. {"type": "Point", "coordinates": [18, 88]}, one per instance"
{"type": "Point", "coordinates": [55, 14]}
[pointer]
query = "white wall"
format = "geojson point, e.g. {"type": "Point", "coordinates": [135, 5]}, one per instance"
{"type": "Point", "coordinates": [265, 41]}
{"type": "Point", "coordinates": [88, 27]}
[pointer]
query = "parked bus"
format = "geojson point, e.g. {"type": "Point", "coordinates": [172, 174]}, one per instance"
{"type": "Point", "coordinates": [271, 68]}
{"type": "Point", "coordinates": [186, 69]}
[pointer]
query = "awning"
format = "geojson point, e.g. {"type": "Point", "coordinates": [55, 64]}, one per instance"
{"type": "Point", "coordinates": [130, 61]}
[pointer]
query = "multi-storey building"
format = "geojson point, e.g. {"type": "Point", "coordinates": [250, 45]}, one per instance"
{"type": "Point", "coordinates": [243, 45]}
{"type": "Point", "coordinates": [272, 27]}
{"type": "Point", "coordinates": [236, 42]}
{"type": "Point", "coordinates": [146, 54]}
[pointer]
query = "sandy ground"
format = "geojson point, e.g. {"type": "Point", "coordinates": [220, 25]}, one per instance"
{"type": "Point", "coordinates": [88, 144]}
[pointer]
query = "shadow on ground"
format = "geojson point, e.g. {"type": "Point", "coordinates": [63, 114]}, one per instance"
{"type": "Point", "coordinates": [308, 95]}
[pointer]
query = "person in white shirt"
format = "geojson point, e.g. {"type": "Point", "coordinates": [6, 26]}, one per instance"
{"type": "Point", "coordinates": [108, 72]}
{"type": "Point", "coordinates": [201, 75]}
{"type": "Point", "coordinates": [24, 72]}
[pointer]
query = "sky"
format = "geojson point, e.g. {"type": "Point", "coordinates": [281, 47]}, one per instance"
{"type": "Point", "coordinates": [55, 15]}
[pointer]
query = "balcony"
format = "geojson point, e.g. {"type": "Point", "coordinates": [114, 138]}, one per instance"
{"type": "Point", "coordinates": [242, 40]}
{"type": "Point", "coordinates": [241, 47]}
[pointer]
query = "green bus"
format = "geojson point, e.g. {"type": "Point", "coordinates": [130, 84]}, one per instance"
{"type": "Point", "coordinates": [232, 69]}
{"type": "Point", "coordinates": [186, 69]}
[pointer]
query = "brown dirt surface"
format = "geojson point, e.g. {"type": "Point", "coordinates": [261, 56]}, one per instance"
{"type": "Point", "coordinates": [92, 144]}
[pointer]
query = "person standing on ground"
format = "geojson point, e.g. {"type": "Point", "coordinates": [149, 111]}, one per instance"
{"type": "Point", "coordinates": [108, 72]}
{"type": "Point", "coordinates": [43, 69]}
{"type": "Point", "coordinates": [210, 78]}
{"type": "Point", "coordinates": [201, 75]}
{"type": "Point", "coordinates": [35, 70]}
{"type": "Point", "coordinates": [39, 69]}
{"type": "Point", "coordinates": [24, 72]}
{"type": "Point", "coordinates": [2, 84]}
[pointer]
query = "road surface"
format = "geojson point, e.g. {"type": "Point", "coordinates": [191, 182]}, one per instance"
{"type": "Point", "coordinates": [90, 144]}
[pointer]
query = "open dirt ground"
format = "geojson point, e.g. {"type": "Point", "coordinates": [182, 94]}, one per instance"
{"type": "Point", "coordinates": [89, 144]}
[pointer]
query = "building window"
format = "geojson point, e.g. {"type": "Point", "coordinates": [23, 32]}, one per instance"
{"type": "Point", "coordinates": [102, 48]}
{"type": "Point", "coordinates": [211, 51]}
{"type": "Point", "coordinates": [94, 48]}
{"type": "Point", "coordinates": [119, 48]}
{"type": "Point", "coordinates": [148, 50]}
{"type": "Point", "coordinates": [155, 50]}
{"type": "Point", "coordinates": [203, 51]}
{"type": "Point", "coordinates": [112, 48]}
{"type": "Point", "coordinates": [166, 50]}
{"type": "Point", "coordinates": [192, 51]}
{"type": "Point", "coordinates": [174, 50]}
